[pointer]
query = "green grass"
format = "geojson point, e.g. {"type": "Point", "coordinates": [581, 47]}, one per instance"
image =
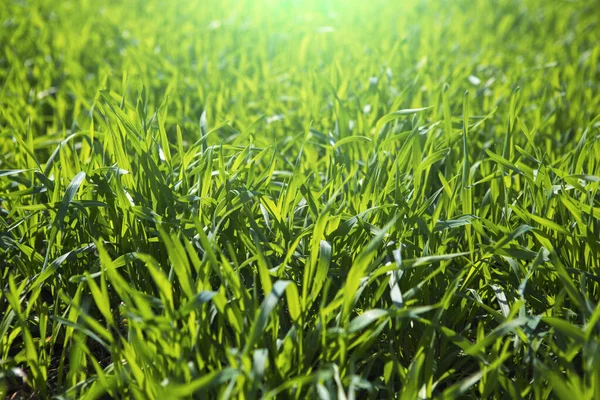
{"type": "Point", "coordinates": [300, 199]}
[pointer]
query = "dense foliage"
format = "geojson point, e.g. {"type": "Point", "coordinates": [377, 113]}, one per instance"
{"type": "Point", "coordinates": [300, 199]}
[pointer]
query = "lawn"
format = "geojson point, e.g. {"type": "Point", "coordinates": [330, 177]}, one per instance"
{"type": "Point", "coordinates": [291, 199]}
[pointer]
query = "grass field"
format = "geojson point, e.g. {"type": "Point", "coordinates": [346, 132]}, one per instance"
{"type": "Point", "coordinates": [300, 199]}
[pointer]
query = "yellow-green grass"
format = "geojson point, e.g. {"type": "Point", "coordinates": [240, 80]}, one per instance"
{"type": "Point", "coordinates": [300, 199]}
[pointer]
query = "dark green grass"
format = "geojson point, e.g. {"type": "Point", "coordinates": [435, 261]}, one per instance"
{"type": "Point", "coordinates": [282, 199]}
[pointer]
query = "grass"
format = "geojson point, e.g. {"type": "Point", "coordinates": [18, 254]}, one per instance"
{"type": "Point", "coordinates": [300, 199]}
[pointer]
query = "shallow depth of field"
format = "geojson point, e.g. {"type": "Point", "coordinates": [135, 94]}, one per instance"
{"type": "Point", "coordinates": [300, 199]}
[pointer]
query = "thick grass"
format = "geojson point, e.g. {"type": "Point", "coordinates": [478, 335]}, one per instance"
{"type": "Point", "coordinates": [300, 199]}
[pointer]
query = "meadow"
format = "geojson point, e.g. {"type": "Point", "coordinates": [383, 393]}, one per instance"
{"type": "Point", "coordinates": [300, 199]}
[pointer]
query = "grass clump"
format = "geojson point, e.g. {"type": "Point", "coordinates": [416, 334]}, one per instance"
{"type": "Point", "coordinates": [281, 199]}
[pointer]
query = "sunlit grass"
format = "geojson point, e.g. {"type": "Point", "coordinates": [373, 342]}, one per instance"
{"type": "Point", "coordinates": [300, 199]}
